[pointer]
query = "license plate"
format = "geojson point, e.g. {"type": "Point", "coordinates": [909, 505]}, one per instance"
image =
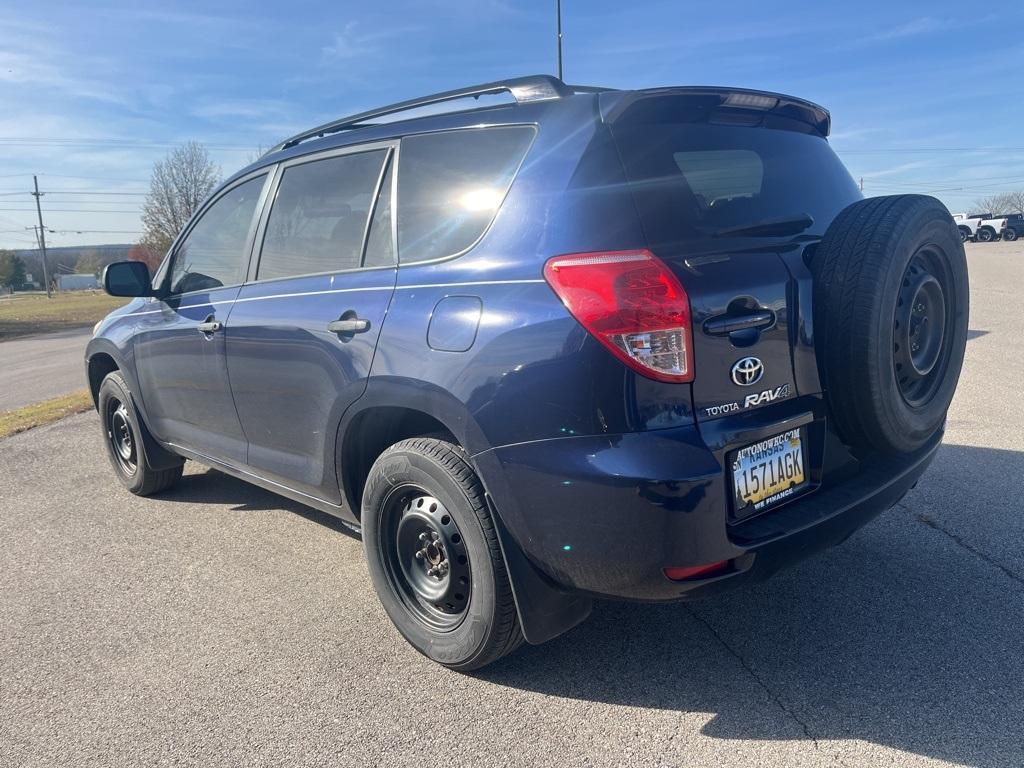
{"type": "Point", "coordinates": [768, 472]}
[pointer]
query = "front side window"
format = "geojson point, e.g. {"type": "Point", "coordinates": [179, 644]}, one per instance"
{"type": "Point", "coordinates": [213, 253]}
{"type": "Point", "coordinates": [319, 216]}
{"type": "Point", "coordinates": [450, 186]}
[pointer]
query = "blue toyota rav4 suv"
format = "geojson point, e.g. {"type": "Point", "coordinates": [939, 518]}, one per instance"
{"type": "Point", "coordinates": [584, 343]}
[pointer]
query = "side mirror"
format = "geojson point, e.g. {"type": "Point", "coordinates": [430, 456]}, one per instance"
{"type": "Point", "coordinates": [127, 278]}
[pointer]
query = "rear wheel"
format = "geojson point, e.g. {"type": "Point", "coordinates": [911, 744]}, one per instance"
{"type": "Point", "coordinates": [890, 319]}
{"type": "Point", "coordinates": [1009, 234]}
{"type": "Point", "coordinates": [986, 234]}
{"type": "Point", "coordinates": [122, 438]}
{"type": "Point", "coordinates": [434, 557]}
{"type": "Point", "coordinates": [965, 234]}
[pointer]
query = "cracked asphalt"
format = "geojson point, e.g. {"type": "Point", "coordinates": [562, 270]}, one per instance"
{"type": "Point", "coordinates": [222, 625]}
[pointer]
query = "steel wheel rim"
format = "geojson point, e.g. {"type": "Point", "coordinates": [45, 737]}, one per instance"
{"type": "Point", "coordinates": [425, 558]}
{"type": "Point", "coordinates": [921, 328]}
{"type": "Point", "coordinates": [120, 436]}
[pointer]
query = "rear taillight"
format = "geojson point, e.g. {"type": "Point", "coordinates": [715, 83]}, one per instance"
{"type": "Point", "coordinates": [632, 303]}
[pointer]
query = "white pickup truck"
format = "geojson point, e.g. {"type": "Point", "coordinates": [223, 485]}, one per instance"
{"type": "Point", "coordinates": [990, 228]}
{"type": "Point", "coordinates": [968, 226]}
{"type": "Point", "coordinates": [983, 227]}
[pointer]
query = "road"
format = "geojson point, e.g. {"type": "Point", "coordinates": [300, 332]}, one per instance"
{"type": "Point", "coordinates": [222, 625]}
{"type": "Point", "coordinates": [35, 368]}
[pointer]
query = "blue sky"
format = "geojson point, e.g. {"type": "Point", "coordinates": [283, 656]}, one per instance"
{"type": "Point", "coordinates": [921, 93]}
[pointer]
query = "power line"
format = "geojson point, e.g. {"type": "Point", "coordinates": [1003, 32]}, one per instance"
{"type": "Point", "coordinates": [71, 210]}
{"type": "Point", "coordinates": [76, 192]}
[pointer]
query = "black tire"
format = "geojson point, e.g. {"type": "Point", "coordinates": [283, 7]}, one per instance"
{"type": "Point", "coordinates": [965, 234]}
{"type": "Point", "coordinates": [1009, 235]}
{"type": "Point", "coordinates": [464, 618]}
{"type": "Point", "coordinates": [890, 320]}
{"type": "Point", "coordinates": [986, 235]}
{"type": "Point", "coordinates": [122, 437]}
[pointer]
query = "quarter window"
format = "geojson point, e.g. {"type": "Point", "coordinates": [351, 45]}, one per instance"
{"type": "Point", "coordinates": [319, 216]}
{"type": "Point", "coordinates": [450, 186]}
{"type": "Point", "coordinates": [213, 253]}
{"type": "Point", "coordinates": [379, 248]}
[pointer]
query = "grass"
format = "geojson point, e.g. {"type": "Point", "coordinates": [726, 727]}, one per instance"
{"type": "Point", "coordinates": [46, 412]}
{"type": "Point", "coordinates": [24, 314]}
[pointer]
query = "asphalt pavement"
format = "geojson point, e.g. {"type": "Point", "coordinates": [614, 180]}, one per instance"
{"type": "Point", "coordinates": [222, 625]}
{"type": "Point", "coordinates": [34, 368]}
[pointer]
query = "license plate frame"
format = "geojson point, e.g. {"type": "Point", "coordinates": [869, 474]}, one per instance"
{"type": "Point", "coordinates": [757, 479]}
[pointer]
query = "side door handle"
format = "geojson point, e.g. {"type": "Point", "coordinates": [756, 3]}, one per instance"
{"type": "Point", "coordinates": [348, 325]}
{"type": "Point", "coordinates": [209, 326]}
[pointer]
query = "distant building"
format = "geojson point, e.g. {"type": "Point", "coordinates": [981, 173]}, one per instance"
{"type": "Point", "coordinates": [77, 282]}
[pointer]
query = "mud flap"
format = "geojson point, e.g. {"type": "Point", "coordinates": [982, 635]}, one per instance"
{"type": "Point", "coordinates": [545, 612]}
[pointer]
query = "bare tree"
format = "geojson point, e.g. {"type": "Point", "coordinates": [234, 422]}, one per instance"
{"type": "Point", "coordinates": [995, 204]}
{"type": "Point", "coordinates": [1015, 202]}
{"type": "Point", "coordinates": [89, 262]}
{"type": "Point", "coordinates": [178, 186]}
{"type": "Point", "coordinates": [141, 253]}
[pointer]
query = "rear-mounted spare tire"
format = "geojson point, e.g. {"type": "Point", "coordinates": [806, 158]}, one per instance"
{"type": "Point", "coordinates": [890, 320]}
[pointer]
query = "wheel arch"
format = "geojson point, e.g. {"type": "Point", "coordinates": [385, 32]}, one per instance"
{"type": "Point", "coordinates": [102, 358]}
{"type": "Point", "coordinates": [98, 366]}
{"type": "Point", "coordinates": [394, 409]}
{"type": "Point", "coordinates": [388, 410]}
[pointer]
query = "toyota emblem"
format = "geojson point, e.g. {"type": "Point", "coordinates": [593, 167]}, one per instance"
{"type": "Point", "coordinates": [747, 371]}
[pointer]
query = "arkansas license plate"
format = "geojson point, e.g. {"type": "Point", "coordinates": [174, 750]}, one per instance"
{"type": "Point", "coordinates": [767, 472]}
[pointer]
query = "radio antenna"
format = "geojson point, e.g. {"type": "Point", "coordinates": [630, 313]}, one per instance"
{"type": "Point", "coordinates": [558, 25]}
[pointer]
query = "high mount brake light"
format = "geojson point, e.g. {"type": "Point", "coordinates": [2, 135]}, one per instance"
{"type": "Point", "coordinates": [632, 303]}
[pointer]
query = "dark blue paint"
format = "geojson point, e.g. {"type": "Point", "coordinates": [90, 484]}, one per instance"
{"type": "Point", "coordinates": [601, 477]}
{"type": "Point", "coordinates": [454, 323]}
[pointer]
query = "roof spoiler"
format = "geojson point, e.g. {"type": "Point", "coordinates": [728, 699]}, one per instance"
{"type": "Point", "coordinates": [522, 89]}
{"type": "Point", "coordinates": [748, 101]}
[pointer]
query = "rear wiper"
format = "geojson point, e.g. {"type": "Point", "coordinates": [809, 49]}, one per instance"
{"type": "Point", "coordinates": [789, 225]}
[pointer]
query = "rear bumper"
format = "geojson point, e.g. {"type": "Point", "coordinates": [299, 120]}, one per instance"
{"type": "Point", "coordinates": [604, 515]}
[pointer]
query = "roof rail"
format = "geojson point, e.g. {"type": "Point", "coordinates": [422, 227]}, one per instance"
{"type": "Point", "coordinates": [523, 89]}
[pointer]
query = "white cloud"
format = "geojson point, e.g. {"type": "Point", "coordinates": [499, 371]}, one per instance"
{"type": "Point", "coordinates": [351, 44]}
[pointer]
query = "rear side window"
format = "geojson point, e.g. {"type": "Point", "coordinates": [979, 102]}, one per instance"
{"type": "Point", "coordinates": [213, 253]}
{"type": "Point", "coordinates": [319, 216]}
{"type": "Point", "coordinates": [450, 186]}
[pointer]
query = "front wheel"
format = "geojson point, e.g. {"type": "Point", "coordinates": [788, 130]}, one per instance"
{"type": "Point", "coordinates": [122, 437]}
{"type": "Point", "coordinates": [434, 557]}
{"type": "Point", "coordinates": [965, 234]}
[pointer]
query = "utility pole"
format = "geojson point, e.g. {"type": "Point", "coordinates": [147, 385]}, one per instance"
{"type": "Point", "coordinates": [558, 22]}
{"type": "Point", "coordinates": [42, 236]}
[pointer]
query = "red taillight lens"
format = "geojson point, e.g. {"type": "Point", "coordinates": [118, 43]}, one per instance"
{"type": "Point", "coordinates": [633, 304]}
{"type": "Point", "coordinates": [696, 571]}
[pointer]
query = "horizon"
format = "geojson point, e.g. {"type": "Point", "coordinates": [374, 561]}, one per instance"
{"type": "Point", "coordinates": [95, 97]}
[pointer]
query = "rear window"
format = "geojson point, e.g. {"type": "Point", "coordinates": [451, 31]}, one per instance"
{"type": "Point", "coordinates": [704, 182]}
{"type": "Point", "coordinates": [450, 186]}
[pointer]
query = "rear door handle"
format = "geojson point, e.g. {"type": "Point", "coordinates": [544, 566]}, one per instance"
{"type": "Point", "coordinates": [209, 325]}
{"type": "Point", "coordinates": [723, 325]}
{"type": "Point", "coordinates": [348, 325]}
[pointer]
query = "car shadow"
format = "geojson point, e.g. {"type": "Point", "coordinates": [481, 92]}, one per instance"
{"type": "Point", "coordinates": [974, 333]}
{"type": "Point", "coordinates": [907, 636]}
{"type": "Point", "coordinates": [210, 486]}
